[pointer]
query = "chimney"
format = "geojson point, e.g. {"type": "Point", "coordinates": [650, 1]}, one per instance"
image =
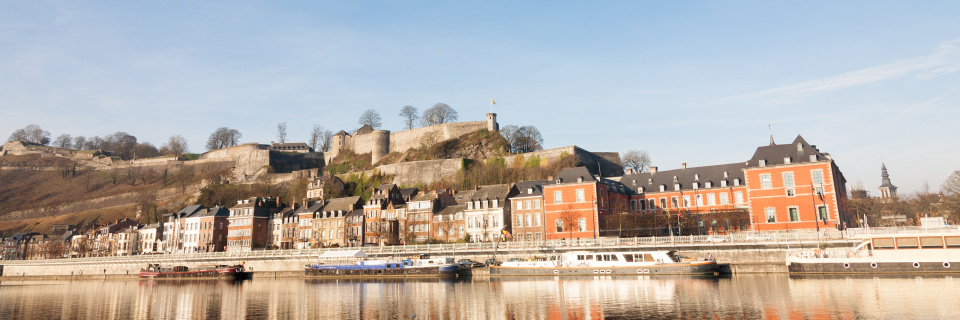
{"type": "Point", "coordinates": [683, 165]}
{"type": "Point", "coordinates": [278, 201]}
{"type": "Point", "coordinates": [549, 178]}
{"type": "Point", "coordinates": [629, 171]}
{"type": "Point", "coordinates": [653, 169]}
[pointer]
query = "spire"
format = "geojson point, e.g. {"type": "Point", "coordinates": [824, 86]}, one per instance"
{"type": "Point", "coordinates": [771, 133]}
{"type": "Point", "coordinates": [887, 189]}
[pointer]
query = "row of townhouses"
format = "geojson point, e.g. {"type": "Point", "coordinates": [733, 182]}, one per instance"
{"type": "Point", "coordinates": [782, 187]}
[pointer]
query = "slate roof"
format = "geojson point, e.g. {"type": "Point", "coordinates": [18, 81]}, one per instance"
{"type": "Point", "coordinates": [573, 175]}
{"type": "Point", "coordinates": [495, 191]}
{"type": "Point", "coordinates": [426, 196]}
{"type": "Point", "coordinates": [799, 151]}
{"type": "Point", "coordinates": [340, 133]}
{"type": "Point", "coordinates": [213, 212]}
{"type": "Point", "coordinates": [344, 204]}
{"type": "Point", "coordinates": [462, 197]}
{"type": "Point", "coordinates": [409, 193]}
{"type": "Point", "coordinates": [313, 208]}
{"type": "Point", "coordinates": [651, 181]}
{"type": "Point", "coordinates": [382, 191]}
{"type": "Point", "coordinates": [452, 210]}
{"type": "Point", "coordinates": [532, 188]}
{"type": "Point", "coordinates": [189, 211]}
{"type": "Point", "coordinates": [354, 213]}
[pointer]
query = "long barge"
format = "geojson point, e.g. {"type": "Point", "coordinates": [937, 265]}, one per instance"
{"type": "Point", "coordinates": [354, 264]}
{"type": "Point", "coordinates": [884, 254]}
{"type": "Point", "coordinates": [157, 271]}
{"type": "Point", "coordinates": [583, 263]}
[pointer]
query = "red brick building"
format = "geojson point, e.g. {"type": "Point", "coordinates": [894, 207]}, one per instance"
{"type": "Point", "coordinates": [576, 203]}
{"type": "Point", "coordinates": [247, 224]}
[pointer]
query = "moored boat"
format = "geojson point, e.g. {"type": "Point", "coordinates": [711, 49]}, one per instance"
{"type": "Point", "coordinates": [888, 253]}
{"type": "Point", "coordinates": [356, 264]}
{"type": "Point", "coordinates": [157, 271]}
{"type": "Point", "coordinates": [580, 263]}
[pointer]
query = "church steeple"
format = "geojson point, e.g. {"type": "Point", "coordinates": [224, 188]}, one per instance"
{"type": "Point", "coordinates": [887, 189]}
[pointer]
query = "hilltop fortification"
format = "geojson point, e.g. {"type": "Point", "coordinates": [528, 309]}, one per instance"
{"type": "Point", "coordinates": [381, 142]}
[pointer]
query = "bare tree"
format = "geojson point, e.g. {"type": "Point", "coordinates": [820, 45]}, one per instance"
{"type": "Point", "coordinates": [522, 139]}
{"type": "Point", "coordinates": [637, 160]}
{"type": "Point", "coordinates": [282, 132]}
{"type": "Point", "coordinates": [952, 185]}
{"type": "Point", "coordinates": [319, 138]}
{"type": "Point", "coordinates": [144, 150]}
{"type": "Point", "coordinates": [79, 142]}
{"type": "Point", "coordinates": [370, 118]}
{"type": "Point", "coordinates": [409, 115]}
{"type": "Point", "coordinates": [438, 114]}
{"type": "Point", "coordinates": [951, 198]}
{"type": "Point", "coordinates": [569, 219]}
{"type": "Point", "coordinates": [63, 141]}
{"type": "Point", "coordinates": [175, 146]}
{"type": "Point", "coordinates": [222, 138]}
{"type": "Point", "coordinates": [31, 133]}
{"type": "Point", "coordinates": [327, 140]}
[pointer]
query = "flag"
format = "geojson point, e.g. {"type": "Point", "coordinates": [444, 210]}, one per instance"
{"type": "Point", "coordinates": [506, 233]}
{"type": "Point", "coordinates": [491, 101]}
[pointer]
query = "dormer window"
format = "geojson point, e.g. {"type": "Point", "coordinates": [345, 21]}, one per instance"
{"type": "Point", "coordinates": [725, 175]}
{"type": "Point", "coordinates": [640, 190]}
{"type": "Point", "coordinates": [786, 160]}
{"type": "Point", "coordinates": [696, 177]}
{"type": "Point", "coordinates": [696, 185]}
{"type": "Point", "coordinates": [649, 181]}
{"type": "Point", "coordinates": [676, 186]}
{"type": "Point", "coordinates": [580, 179]}
{"type": "Point", "coordinates": [763, 162]}
{"type": "Point", "coordinates": [736, 182]}
{"type": "Point", "coordinates": [674, 179]}
{"type": "Point", "coordinates": [709, 184]}
{"type": "Point", "coordinates": [799, 147]}
{"type": "Point", "coordinates": [663, 188]}
{"type": "Point", "coordinates": [813, 158]}
{"type": "Point", "coordinates": [529, 190]}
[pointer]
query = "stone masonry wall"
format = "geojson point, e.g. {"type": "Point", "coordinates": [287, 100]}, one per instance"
{"type": "Point", "coordinates": [411, 173]}
{"type": "Point", "coordinates": [407, 139]}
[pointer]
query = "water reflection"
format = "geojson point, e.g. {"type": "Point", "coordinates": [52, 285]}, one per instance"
{"type": "Point", "coordinates": [605, 297]}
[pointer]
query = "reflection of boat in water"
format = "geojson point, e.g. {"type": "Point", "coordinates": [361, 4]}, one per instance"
{"type": "Point", "coordinates": [889, 253]}
{"type": "Point", "coordinates": [355, 264]}
{"type": "Point", "coordinates": [156, 271]}
{"type": "Point", "coordinates": [580, 263]}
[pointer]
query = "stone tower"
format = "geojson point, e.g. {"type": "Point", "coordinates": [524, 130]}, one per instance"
{"type": "Point", "coordinates": [492, 124]}
{"type": "Point", "coordinates": [887, 189]}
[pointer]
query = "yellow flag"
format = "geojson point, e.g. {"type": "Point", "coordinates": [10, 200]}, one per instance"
{"type": "Point", "coordinates": [491, 101]}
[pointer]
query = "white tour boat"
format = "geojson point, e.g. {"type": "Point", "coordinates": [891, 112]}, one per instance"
{"type": "Point", "coordinates": [887, 253]}
{"type": "Point", "coordinates": [580, 263]}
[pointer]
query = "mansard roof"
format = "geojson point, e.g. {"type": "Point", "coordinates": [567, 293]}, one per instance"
{"type": "Point", "coordinates": [799, 151]}
{"type": "Point", "coordinates": [573, 175]}
{"type": "Point", "coordinates": [651, 181]}
{"type": "Point", "coordinates": [213, 212]}
{"type": "Point", "coordinates": [343, 204]}
{"type": "Point", "coordinates": [532, 188]}
{"type": "Point", "coordinates": [495, 191]}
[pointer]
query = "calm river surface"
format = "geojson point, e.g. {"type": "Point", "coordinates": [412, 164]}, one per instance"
{"type": "Point", "coordinates": [737, 297]}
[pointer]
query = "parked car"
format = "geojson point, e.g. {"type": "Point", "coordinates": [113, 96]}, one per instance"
{"type": "Point", "coordinates": [467, 263]}
{"type": "Point", "coordinates": [492, 262]}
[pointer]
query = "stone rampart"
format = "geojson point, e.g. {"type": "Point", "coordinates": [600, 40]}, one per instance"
{"type": "Point", "coordinates": [407, 139]}
{"type": "Point", "coordinates": [411, 173]}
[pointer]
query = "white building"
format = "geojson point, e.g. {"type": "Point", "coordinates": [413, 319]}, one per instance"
{"type": "Point", "coordinates": [488, 212]}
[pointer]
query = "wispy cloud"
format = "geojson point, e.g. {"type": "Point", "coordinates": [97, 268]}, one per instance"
{"type": "Point", "coordinates": [945, 60]}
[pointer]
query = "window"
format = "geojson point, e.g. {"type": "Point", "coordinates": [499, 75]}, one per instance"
{"type": "Point", "coordinates": [663, 203]}
{"type": "Point", "coordinates": [771, 214]}
{"type": "Point", "coordinates": [536, 220]}
{"type": "Point", "coordinates": [788, 180]}
{"type": "Point", "coordinates": [794, 214]}
{"type": "Point", "coordinates": [765, 181]}
{"type": "Point", "coordinates": [686, 201]}
{"type": "Point", "coordinates": [738, 197]}
{"type": "Point", "coordinates": [712, 199]}
{"type": "Point", "coordinates": [519, 205]}
{"type": "Point", "coordinates": [674, 202]}
{"type": "Point", "coordinates": [536, 204]}
{"type": "Point", "coordinates": [723, 183]}
{"type": "Point", "coordinates": [519, 220]}
{"type": "Point", "coordinates": [557, 197]}
{"type": "Point", "coordinates": [763, 162]}
{"type": "Point", "coordinates": [526, 204]}
{"type": "Point", "coordinates": [528, 216]}
{"type": "Point", "coordinates": [817, 176]}
{"type": "Point", "coordinates": [582, 223]}
{"type": "Point", "coordinates": [633, 205]}
{"type": "Point", "coordinates": [559, 225]}
{"type": "Point", "coordinates": [652, 204]}
{"type": "Point", "coordinates": [699, 200]}
{"type": "Point", "coordinates": [822, 213]}
{"type": "Point", "coordinates": [791, 192]}
{"type": "Point", "coordinates": [580, 196]}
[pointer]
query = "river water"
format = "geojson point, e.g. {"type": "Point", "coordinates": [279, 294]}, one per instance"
{"type": "Point", "coordinates": [738, 297]}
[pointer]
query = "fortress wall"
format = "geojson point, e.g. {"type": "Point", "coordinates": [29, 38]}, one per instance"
{"type": "Point", "coordinates": [411, 173]}
{"type": "Point", "coordinates": [546, 156]}
{"type": "Point", "coordinates": [404, 140]}
{"type": "Point", "coordinates": [364, 143]}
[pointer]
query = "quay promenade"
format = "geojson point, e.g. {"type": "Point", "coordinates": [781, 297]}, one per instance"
{"type": "Point", "coordinates": [738, 253]}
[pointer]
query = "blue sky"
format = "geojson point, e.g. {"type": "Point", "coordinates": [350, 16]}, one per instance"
{"type": "Point", "coordinates": [690, 81]}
